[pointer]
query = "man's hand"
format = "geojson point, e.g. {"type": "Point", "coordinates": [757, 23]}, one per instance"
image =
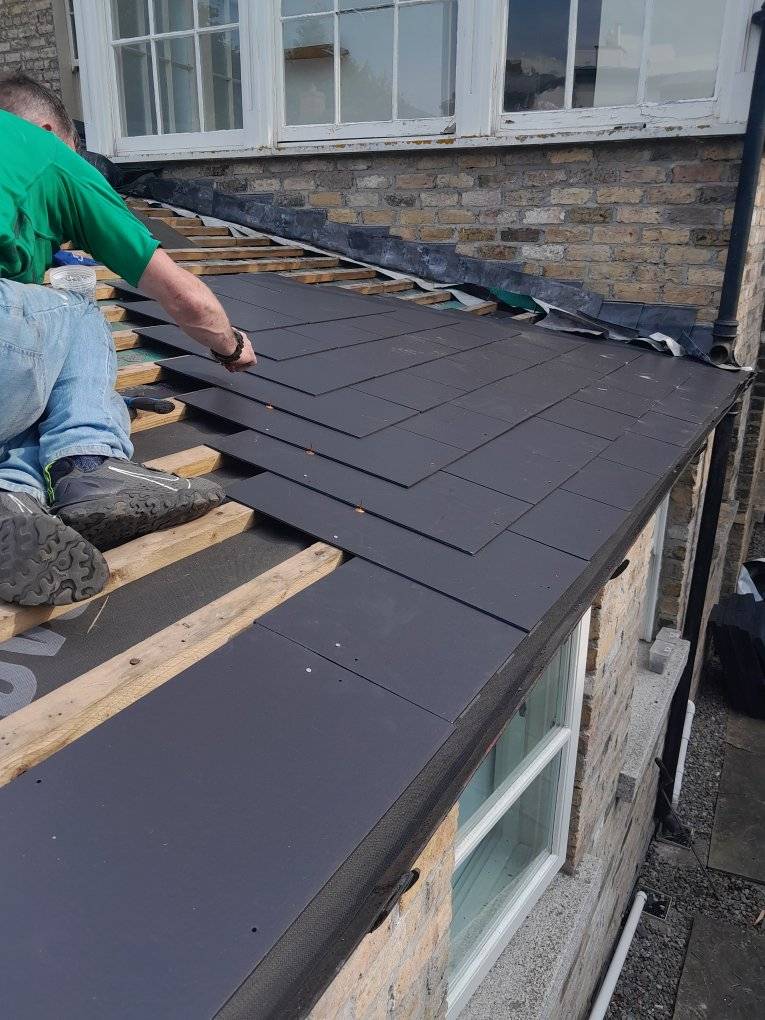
{"type": "Point", "coordinates": [194, 307]}
{"type": "Point", "coordinates": [245, 360]}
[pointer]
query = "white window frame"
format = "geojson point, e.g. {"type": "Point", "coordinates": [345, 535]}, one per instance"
{"type": "Point", "coordinates": [562, 739]}
{"type": "Point", "coordinates": [478, 120]}
{"type": "Point", "coordinates": [654, 571]}
{"type": "Point", "coordinates": [71, 32]}
{"type": "Point", "coordinates": [396, 127]}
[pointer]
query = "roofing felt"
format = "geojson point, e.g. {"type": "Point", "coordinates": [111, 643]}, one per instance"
{"type": "Point", "coordinates": [219, 847]}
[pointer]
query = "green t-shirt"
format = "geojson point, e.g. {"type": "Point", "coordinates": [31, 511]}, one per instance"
{"type": "Point", "coordinates": [48, 195]}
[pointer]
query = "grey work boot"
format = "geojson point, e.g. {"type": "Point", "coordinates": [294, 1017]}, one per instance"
{"type": "Point", "coordinates": [119, 500]}
{"type": "Point", "coordinates": [42, 561]}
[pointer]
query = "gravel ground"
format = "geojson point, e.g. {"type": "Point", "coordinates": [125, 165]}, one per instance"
{"type": "Point", "coordinates": [648, 983]}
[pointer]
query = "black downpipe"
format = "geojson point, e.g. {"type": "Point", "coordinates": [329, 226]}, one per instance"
{"type": "Point", "coordinates": [697, 596]}
{"type": "Point", "coordinates": [725, 329]}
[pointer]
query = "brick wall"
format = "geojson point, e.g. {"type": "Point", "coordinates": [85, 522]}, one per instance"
{"type": "Point", "coordinates": [400, 970]}
{"type": "Point", "coordinates": [27, 40]}
{"type": "Point", "coordinates": [611, 661]}
{"type": "Point", "coordinates": [638, 221]}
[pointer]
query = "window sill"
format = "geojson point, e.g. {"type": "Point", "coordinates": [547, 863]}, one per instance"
{"type": "Point", "coordinates": [648, 715]}
{"type": "Point", "coordinates": [557, 136]}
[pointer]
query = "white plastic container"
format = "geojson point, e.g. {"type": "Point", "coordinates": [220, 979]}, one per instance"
{"type": "Point", "coordinates": [79, 279]}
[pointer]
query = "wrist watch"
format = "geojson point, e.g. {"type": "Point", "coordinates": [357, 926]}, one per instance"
{"type": "Point", "coordinates": [230, 359]}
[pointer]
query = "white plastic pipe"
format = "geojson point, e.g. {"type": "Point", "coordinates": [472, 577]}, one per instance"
{"type": "Point", "coordinates": [600, 1005]}
{"type": "Point", "coordinates": [689, 714]}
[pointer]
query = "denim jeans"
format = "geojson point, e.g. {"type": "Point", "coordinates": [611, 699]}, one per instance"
{"type": "Point", "coordinates": [57, 374]}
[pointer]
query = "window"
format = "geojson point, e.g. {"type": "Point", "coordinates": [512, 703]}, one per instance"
{"type": "Point", "coordinates": [513, 819]}
{"type": "Point", "coordinates": [654, 571]}
{"type": "Point", "coordinates": [177, 65]}
{"type": "Point", "coordinates": [610, 53]}
{"type": "Point", "coordinates": [72, 32]}
{"type": "Point", "coordinates": [360, 64]}
{"type": "Point", "coordinates": [170, 78]}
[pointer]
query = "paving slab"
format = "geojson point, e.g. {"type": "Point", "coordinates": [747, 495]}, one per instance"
{"type": "Point", "coordinates": [737, 844]}
{"type": "Point", "coordinates": [724, 973]}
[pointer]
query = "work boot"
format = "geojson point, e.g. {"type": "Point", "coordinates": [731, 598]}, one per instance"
{"type": "Point", "coordinates": [116, 500]}
{"type": "Point", "coordinates": [42, 561]}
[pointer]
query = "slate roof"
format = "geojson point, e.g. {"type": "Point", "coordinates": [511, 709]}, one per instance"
{"type": "Point", "coordinates": [223, 843]}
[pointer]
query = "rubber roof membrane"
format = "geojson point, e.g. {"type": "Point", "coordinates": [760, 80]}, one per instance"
{"type": "Point", "coordinates": [220, 846]}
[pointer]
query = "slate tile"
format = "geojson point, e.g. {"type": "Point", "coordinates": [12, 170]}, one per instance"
{"type": "Point", "coordinates": [548, 439]}
{"type": "Point", "coordinates": [665, 428]}
{"type": "Point", "coordinates": [214, 809]}
{"type": "Point", "coordinates": [409, 389]}
{"type": "Point", "coordinates": [513, 578]}
{"type": "Point", "coordinates": [555, 341]}
{"type": "Point", "coordinates": [598, 421]}
{"type": "Point", "coordinates": [353, 412]}
{"type": "Point", "coordinates": [447, 509]}
{"type": "Point", "coordinates": [457, 426]}
{"type": "Point", "coordinates": [643, 453]}
{"type": "Point", "coordinates": [600, 358]}
{"type": "Point", "coordinates": [526, 393]}
{"type": "Point", "coordinates": [649, 378]}
{"type": "Point", "coordinates": [685, 408]}
{"type": "Point", "coordinates": [518, 472]}
{"type": "Point", "coordinates": [608, 396]}
{"type": "Point", "coordinates": [460, 337]}
{"type": "Point", "coordinates": [611, 483]}
{"type": "Point", "coordinates": [471, 369]}
{"type": "Point", "coordinates": [331, 370]}
{"type": "Point", "coordinates": [415, 642]}
{"type": "Point", "coordinates": [571, 523]}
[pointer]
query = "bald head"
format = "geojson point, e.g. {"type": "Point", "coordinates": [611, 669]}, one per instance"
{"type": "Point", "coordinates": [27, 98]}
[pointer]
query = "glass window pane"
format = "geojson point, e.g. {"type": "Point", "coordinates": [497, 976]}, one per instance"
{"type": "Point", "coordinates": [427, 53]}
{"type": "Point", "coordinates": [537, 45]}
{"type": "Point", "coordinates": [684, 50]}
{"type": "Point", "coordinates": [357, 5]}
{"type": "Point", "coordinates": [487, 882]}
{"type": "Point", "coordinates": [306, 6]}
{"type": "Point", "coordinates": [135, 79]}
{"type": "Point", "coordinates": [309, 71]}
{"type": "Point", "coordinates": [221, 80]}
{"type": "Point", "coordinates": [608, 49]}
{"type": "Point", "coordinates": [177, 72]}
{"type": "Point", "coordinates": [543, 710]}
{"type": "Point", "coordinates": [218, 12]}
{"type": "Point", "coordinates": [130, 18]}
{"type": "Point", "coordinates": [173, 15]}
{"type": "Point", "coordinates": [366, 66]}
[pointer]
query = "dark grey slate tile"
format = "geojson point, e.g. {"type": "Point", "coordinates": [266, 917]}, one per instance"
{"type": "Point", "coordinates": [170, 818]}
{"type": "Point", "coordinates": [598, 421]}
{"type": "Point", "coordinates": [571, 523]}
{"type": "Point", "coordinates": [442, 507]}
{"type": "Point", "coordinates": [519, 472]}
{"type": "Point", "coordinates": [557, 442]}
{"type": "Point", "coordinates": [665, 428]}
{"type": "Point", "coordinates": [457, 426]}
{"type": "Point", "coordinates": [513, 578]}
{"type": "Point", "coordinates": [415, 642]}
{"type": "Point", "coordinates": [471, 369]}
{"type": "Point", "coordinates": [608, 396]}
{"type": "Point", "coordinates": [410, 390]}
{"type": "Point", "coordinates": [526, 393]}
{"type": "Point", "coordinates": [611, 483]}
{"type": "Point", "coordinates": [643, 453]}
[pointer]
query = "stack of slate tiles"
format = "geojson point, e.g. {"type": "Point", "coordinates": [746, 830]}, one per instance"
{"type": "Point", "coordinates": [477, 471]}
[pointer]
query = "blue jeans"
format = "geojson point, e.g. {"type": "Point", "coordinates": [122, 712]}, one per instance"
{"type": "Point", "coordinates": [57, 374]}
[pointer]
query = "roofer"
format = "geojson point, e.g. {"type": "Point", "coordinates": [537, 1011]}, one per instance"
{"type": "Point", "coordinates": [68, 488]}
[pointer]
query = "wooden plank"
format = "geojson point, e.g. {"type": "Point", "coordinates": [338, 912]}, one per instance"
{"type": "Point", "coordinates": [105, 292]}
{"type": "Point", "coordinates": [331, 275]}
{"type": "Point", "coordinates": [198, 460]}
{"type": "Point", "coordinates": [240, 252]}
{"type": "Point", "coordinates": [137, 375]}
{"type": "Point", "coordinates": [151, 420]}
{"type": "Point", "coordinates": [192, 231]}
{"type": "Point", "coordinates": [139, 558]}
{"type": "Point", "coordinates": [263, 266]}
{"type": "Point", "coordinates": [37, 731]}
{"type": "Point", "coordinates": [378, 286]}
{"type": "Point", "coordinates": [228, 242]}
{"type": "Point", "coordinates": [126, 340]}
{"type": "Point", "coordinates": [483, 309]}
{"type": "Point", "coordinates": [114, 313]}
{"type": "Point", "coordinates": [427, 297]}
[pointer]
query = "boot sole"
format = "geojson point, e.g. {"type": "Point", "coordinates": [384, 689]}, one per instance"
{"type": "Point", "coordinates": [45, 563]}
{"type": "Point", "coordinates": [112, 520]}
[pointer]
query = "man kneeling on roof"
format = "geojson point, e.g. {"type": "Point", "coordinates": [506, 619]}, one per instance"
{"type": "Point", "coordinates": [68, 488]}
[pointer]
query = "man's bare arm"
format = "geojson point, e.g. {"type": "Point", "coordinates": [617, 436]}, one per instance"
{"type": "Point", "coordinates": [195, 308]}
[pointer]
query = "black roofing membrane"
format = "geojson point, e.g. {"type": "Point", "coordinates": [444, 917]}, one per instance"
{"type": "Point", "coordinates": [284, 782]}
